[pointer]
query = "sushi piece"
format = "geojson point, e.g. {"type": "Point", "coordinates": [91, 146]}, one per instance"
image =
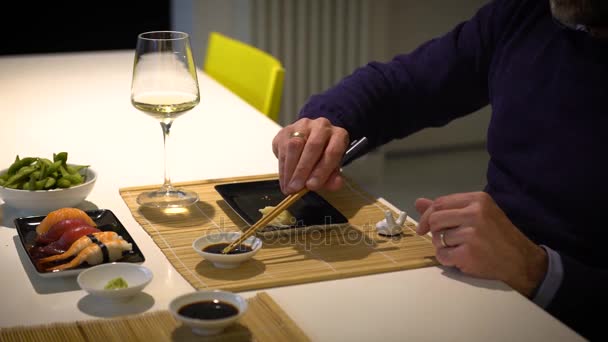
{"type": "Point", "coordinates": [67, 239]}
{"type": "Point", "coordinates": [283, 219]}
{"type": "Point", "coordinates": [81, 244]}
{"type": "Point", "coordinates": [55, 232]}
{"type": "Point", "coordinates": [63, 214]}
{"type": "Point", "coordinates": [96, 254]}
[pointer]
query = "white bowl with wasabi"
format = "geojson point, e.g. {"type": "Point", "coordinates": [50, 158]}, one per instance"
{"type": "Point", "coordinates": [117, 280]}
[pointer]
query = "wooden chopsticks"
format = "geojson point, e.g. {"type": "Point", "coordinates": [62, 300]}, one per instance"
{"type": "Point", "coordinates": [354, 149]}
{"type": "Point", "coordinates": [263, 222]}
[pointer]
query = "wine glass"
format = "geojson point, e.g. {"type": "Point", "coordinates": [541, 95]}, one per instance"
{"type": "Point", "coordinates": [165, 86]}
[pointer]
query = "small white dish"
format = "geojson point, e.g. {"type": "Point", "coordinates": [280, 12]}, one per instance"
{"type": "Point", "coordinates": [94, 279]}
{"type": "Point", "coordinates": [226, 260]}
{"type": "Point", "coordinates": [208, 327]}
{"type": "Point", "coordinates": [45, 201]}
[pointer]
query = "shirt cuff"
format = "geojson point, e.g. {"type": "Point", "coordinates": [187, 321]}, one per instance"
{"type": "Point", "coordinates": [552, 281]}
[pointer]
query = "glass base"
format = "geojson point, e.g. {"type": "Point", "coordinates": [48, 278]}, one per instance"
{"type": "Point", "coordinates": [173, 198]}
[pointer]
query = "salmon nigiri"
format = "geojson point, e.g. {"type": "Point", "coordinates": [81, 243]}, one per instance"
{"type": "Point", "coordinates": [63, 214]}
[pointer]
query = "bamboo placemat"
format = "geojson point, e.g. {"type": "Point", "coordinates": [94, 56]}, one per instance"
{"type": "Point", "coordinates": [263, 321]}
{"type": "Point", "coordinates": [353, 250]}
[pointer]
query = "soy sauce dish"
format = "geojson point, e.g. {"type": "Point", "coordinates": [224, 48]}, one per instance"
{"type": "Point", "coordinates": [210, 247]}
{"type": "Point", "coordinates": [208, 312]}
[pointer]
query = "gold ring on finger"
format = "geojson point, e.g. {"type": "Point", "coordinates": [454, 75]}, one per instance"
{"type": "Point", "coordinates": [442, 239]}
{"type": "Point", "coordinates": [297, 134]}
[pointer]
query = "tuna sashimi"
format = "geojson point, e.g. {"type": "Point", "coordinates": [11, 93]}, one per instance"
{"type": "Point", "coordinates": [66, 240]}
{"type": "Point", "coordinates": [62, 214]}
{"type": "Point", "coordinates": [55, 232]}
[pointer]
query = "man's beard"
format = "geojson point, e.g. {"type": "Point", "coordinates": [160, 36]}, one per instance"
{"type": "Point", "coordinates": [592, 13]}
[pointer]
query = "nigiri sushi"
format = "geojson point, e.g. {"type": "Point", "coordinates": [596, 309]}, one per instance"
{"type": "Point", "coordinates": [81, 244]}
{"type": "Point", "coordinates": [55, 232]}
{"type": "Point", "coordinates": [96, 254]}
{"type": "Point", "coordinates": [67, 239]}
{"type": "Point", "coordinates": [63, 214]}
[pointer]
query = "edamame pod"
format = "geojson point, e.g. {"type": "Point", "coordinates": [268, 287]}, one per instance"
{"type": "Point", "coordinates": [49, 183]}
{"type": "Point", "coordinates": [74, 179]}
{"type": "Point", "coordinates": [73, 169]}
{"type": "Point", "coordinates": [39, 185]}
{"type": "Point", "coordinates": [63, 183]}
{"type": "Point", "coordinates": [61, 156]}
{"type": "Point", "coordinates": [20, 175]}
{"type": "Point", "coordinates": [18, 164]}
{"type": "Point", "coordinates": [54, 167]}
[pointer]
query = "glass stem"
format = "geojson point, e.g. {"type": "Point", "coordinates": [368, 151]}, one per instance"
{"type": "Point", "coordinates": [166, 126]}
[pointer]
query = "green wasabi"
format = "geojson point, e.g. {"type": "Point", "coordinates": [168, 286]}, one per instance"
{"type": "Point", "coordinates": [116, 283]}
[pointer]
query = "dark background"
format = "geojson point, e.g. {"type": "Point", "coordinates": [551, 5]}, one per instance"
{"type": "Point", "coordinates": [54, 26]}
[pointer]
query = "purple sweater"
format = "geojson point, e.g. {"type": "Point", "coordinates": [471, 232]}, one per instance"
{"type": "Point", "coordinates": [548, 87]}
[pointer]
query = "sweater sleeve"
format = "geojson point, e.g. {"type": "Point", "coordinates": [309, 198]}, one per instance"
{"type": "Point", "coordinates": [443, 79]}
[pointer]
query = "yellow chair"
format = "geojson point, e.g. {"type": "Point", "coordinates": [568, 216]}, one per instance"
{"type": "Point", "coordinates": [252, 74]}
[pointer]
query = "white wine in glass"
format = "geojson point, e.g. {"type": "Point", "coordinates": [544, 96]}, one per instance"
{"type": "Point", "coordinates": [165, 86]}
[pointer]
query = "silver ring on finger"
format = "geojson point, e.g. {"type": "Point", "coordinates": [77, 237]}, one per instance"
{"type": "Point", "coordinates": [442, 239]}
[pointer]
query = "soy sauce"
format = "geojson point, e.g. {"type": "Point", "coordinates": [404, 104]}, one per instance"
{"type": "Point", "coordinates": [208, 309]}
{"type": "Point", "coordinates": [219, 247]}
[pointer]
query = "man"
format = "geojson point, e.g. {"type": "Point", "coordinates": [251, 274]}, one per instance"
{"type": "Point", "coordinates": [539, 225]}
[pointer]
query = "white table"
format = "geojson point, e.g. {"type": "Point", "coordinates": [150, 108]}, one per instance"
{"type": "Point", "coordinates": [80, 103]}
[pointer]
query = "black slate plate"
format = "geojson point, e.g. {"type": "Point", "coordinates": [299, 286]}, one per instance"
{"type": "Point", "coordinates": [247, 198]}
{"type": "Point", "coordinates": [105, 220]}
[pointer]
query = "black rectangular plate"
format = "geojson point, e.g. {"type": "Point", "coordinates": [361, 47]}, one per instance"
{"type": "Point", "coordinates": [105, 220]}
{"type": "Point", "coordinates": [247, 198]}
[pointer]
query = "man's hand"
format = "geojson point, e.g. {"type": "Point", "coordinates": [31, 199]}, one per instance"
{"type": "Point", "coordinates": [313, 160]}
{"type": "Point", "coordinates": [481, 241]}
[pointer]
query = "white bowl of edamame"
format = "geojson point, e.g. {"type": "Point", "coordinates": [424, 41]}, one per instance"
{"type": "Point", "coordinates": [36, 201]}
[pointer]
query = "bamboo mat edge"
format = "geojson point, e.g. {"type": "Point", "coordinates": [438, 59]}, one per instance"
{"type": "Point", "coordinates": [335, 275]}
{"type": "Point", "coordinates": [289, 324]}
{"type": "Point", "coordinates": [200, 182]}
{"type": "Point", "coordinates": [164, 324]}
